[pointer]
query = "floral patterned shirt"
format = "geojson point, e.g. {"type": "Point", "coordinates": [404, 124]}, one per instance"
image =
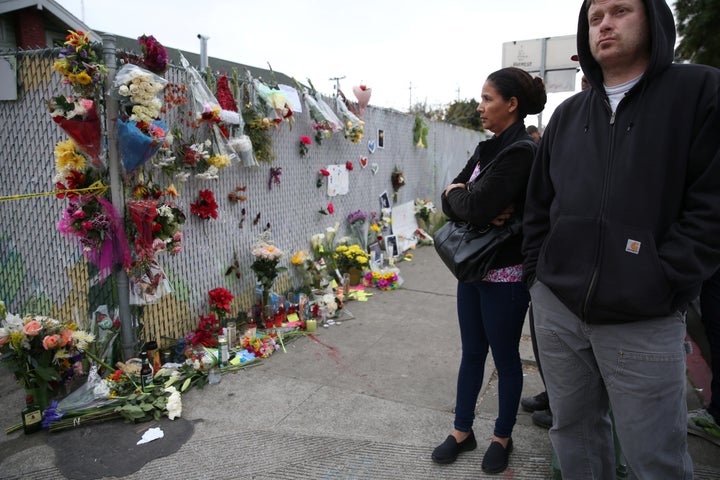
{"type": "Point", "coordinates": [505, 274]}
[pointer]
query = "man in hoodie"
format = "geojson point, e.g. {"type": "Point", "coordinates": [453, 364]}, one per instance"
{"type": "Point", "coordinates": [621, 227]}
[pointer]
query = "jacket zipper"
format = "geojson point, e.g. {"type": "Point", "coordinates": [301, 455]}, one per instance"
{"type": "Point", "coordinates": [606, 183]}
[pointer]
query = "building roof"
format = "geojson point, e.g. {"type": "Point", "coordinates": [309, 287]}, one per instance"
{"type": "Point", "coordinates": [60, 20]}
{"type": "Point", "coordinates": [56, 16]}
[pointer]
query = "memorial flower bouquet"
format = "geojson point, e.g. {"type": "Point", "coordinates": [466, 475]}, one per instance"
{"type": "Point", "coordinates": [384, 279]}
{"type": "Point", "coordinates": [41, 351]}
{"type": "Point", "coordinates": [140, 93]}
{"type": "Point", "coordinates": [265, 265]}
{"type": "Point", "coordinates": [349, 257]}
{"type": "Point", "coordinates": [220, 299]}
{"type": "Point", "coordinates": [79, 119]}
{"type": "Point", "coordinates": [354, 127]}
{"type": "Point", "coordinates": [155, 56]}
{"type": "Point", "coordinates": [79, 64]}
{"type": "Point", "coordinates": [94, 223]}
{"type": "Point", "coordinates": [325, 122]}
{"type": "Point", "coordinates": [139, 141]}
{"type": "Point", "coordinates": [358, 221]}
{"type": "Point", "coordinates": [72, 171]}
{"type": "Point", "coordinates": [423, 209]}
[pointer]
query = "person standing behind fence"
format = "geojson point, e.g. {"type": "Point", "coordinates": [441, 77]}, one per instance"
{"type": "Point", "coordinates": [491, 312]}
{"type": "Point", "coordinates": [621, 227]}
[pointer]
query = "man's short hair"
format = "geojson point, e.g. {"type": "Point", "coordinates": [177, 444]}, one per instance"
{"type": "Point", "coordinates": [532, 129]}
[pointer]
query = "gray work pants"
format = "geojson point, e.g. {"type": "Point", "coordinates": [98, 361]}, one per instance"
{"type": "Point", "coordinates": [636, 369]}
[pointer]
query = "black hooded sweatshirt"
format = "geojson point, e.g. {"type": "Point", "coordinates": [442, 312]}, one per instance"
{"type": "Point", "coordinates": [622, 218]}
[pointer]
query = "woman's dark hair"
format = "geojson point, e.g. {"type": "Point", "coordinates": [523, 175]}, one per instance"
{"type": "Point", "coordinates": [515, 82]}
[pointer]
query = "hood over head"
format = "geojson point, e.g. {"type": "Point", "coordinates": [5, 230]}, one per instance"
{"type": "Point", "coordinates": [662, 41]}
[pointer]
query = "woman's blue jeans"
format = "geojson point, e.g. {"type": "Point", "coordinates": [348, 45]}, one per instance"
{"type": "Point", "coordinates": [491, 316]}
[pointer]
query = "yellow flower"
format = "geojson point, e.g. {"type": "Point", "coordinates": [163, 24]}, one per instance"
{"type": "Point", "coordinates": [219, 161]}
{"type": "Point", "coordinates": [375, 227]}
{"type": "Point", "coordinates": [83, 78]}
{"type": "Point", "coordinates": [299, 257]}
{"type": "Point", "coordinates": [61, 66]}
{"type": "Point", "coordinates": [66, 157]}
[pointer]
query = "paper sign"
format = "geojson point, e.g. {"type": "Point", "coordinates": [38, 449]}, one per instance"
{"type": "Point", "coordinates": [292, 97]}
{"type": "Point", "coordinates": [404, 225]}
{"type": "Point", "coordinates": [338, 181]}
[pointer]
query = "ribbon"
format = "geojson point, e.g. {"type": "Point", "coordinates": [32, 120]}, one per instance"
{"type": "Point", "coordinates": [97, 188]}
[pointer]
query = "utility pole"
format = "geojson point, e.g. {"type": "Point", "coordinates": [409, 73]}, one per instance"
{"type": "Point", "coordinates": [337, 83]}
{"type": "Point", "coordinates": [410, 108]}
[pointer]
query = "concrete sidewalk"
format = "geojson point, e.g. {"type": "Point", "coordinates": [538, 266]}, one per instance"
{"type": "Point", "coordinates": [366, 399]}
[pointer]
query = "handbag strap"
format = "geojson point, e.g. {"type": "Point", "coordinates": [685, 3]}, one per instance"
{"type": "Point", "coordinates": [524, 141]}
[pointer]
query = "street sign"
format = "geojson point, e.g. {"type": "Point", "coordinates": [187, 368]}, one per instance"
{"type": "Point", "coordinates": [528, 54]}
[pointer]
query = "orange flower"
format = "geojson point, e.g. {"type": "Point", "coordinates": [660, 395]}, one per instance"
{"type": "Point", "coordinates": [50, 342]}
{"type": "Point", "coordinates": [32, 328]}
{"type": "Point", "coordinates": [65, 337]}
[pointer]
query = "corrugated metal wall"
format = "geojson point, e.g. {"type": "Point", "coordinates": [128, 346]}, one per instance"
{"type": "Point", "coordinates": [41, 271]}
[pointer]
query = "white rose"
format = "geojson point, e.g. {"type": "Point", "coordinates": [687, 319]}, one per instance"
{"type": "Point", "coordinates": [174, 403]}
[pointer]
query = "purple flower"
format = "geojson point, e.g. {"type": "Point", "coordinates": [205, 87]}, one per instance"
{"type": "Point", "coordinates": [357, 216]}
{"type": "Point", "coordinates": [51, 414]}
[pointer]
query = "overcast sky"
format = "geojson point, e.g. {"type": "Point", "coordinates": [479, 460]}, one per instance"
{"type": "Point", "coordinates": [406, 51]}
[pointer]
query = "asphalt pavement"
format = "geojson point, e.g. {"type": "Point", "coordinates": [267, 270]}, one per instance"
{"type": "Point", "coordinates": [366, 398]}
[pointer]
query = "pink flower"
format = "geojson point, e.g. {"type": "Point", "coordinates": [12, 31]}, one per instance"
{"type": "Point", "coordinates": [158, 245]}
{"type": "Point", "coordinates": [78, 214]}
{"type": "Point", "coordinates": [177, 237]}
{"type": "Point", "coordinates": [50, 342]}
{"type": "Point", "coordinates": [87, 225]}
{"type": "Point", "coordinates": [305, 140]}
{"type": "Point", "coordinates": [330, 208]}
{"type": "Point", "coordinates": [65, 337]}
{"type": "Point", "coordinates": [78, 368]}
{"type": "Point", "coordinates": [32, 328]}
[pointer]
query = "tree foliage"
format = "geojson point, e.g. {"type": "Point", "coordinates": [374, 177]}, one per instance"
{"type": "Point", "coordinates": [697, 22]}
{"type": "Point", "coordinates": [464, 114]}
{"type": "Point", "coordinates": [425, 111]}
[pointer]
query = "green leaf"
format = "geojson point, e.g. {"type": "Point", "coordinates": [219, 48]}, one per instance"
{"type": "Point", "coordinates": [47, 374]}
{"type": "Point", "coordinates": [186, 384]}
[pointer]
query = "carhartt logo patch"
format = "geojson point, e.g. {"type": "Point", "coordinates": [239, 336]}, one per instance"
{"type": "Point", "coordinates": [633, 246]}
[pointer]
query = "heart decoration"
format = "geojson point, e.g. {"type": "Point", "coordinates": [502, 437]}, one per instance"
{"type": "Point", "coordinates": [374, 167]}
{"type": "Point", "coordinates": [363, 162]}
{"type": "Point", "coordinates": [371, 146]}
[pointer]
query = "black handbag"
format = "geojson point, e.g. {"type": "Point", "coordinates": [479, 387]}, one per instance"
{"type": "Point", "coordinates": [467, 250]}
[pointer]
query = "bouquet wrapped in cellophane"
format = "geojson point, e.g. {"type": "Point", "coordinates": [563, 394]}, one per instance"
{"type": "Point", "coordinates": [207, 110]}
{"type": "Point", "coordinates": [325, 122]}
{"type": "Point", "coordinates": [79, 119]}
{"type": "Point", "coordinates": [354, 127]}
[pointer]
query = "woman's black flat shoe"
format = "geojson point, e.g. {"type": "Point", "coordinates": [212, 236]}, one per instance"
{"type": "Point", "coordinates": [448, 451]}
{"type": "Point", "coordinates": [496, 457]}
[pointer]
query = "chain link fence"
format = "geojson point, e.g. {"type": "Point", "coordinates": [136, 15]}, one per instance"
{"type": "Point", "coordinates": [42, 272]}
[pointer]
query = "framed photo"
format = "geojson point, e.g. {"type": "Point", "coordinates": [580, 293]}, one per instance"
{"type": "Point", "coordinates": [384, 200]}
{"type": "Point", "coordinates": [391, 246]}
{"type": "Point", "coordinates": [381, 138]}
{"type": "Point", "coordinates": [375, 252]}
